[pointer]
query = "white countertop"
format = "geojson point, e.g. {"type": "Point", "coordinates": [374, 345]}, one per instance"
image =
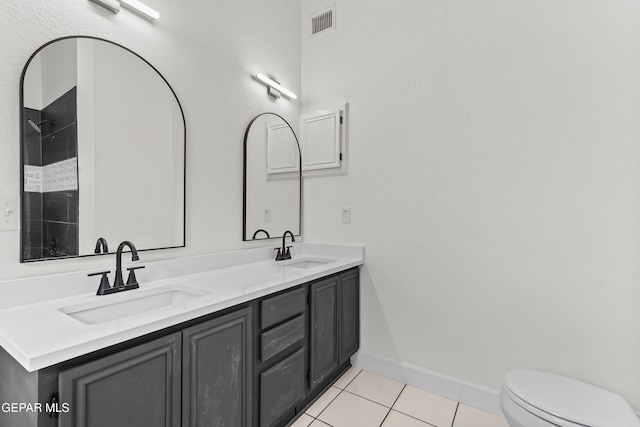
{"type": "Point", "coordinates": [38, 335]}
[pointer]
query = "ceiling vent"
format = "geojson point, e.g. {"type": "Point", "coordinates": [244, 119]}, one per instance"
{"type": "Point", "coordinates": [323, 20]}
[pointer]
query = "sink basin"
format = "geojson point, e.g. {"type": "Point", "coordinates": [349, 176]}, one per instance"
{"type": "Point", "coordinates": [308, 263]}
{"type": "Point", "coordinates": [129, 303]}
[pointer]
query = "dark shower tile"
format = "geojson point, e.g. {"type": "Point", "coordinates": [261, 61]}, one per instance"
{"type": "Point", "coordinates": [66, 237]}
{"type": "Point", "coordinates": [32, 205]}
{"type": "Point", "coordinates": [32, 238]}
{"type": "Point", "coordinates": [55, 206]}
{"type": "Point", "coordinates": [31, 142]}
{"type": "Point", "coordinates": [31, 253]}
{"type": "Point", "coordinates": [74, 206]}
{"type": "Point", "coordinates": [62, 111]}
{"type": "Point", "coordinates": [60, 206]}
{"type": "Point", "coordinates": [60, 145]}
{"type": "Point", "coordinates": [31, 219]}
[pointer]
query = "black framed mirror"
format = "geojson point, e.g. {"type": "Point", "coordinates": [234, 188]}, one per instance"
{"type": "Point", "coordinates": [272, 196]}
{"type": "Point", "coordinates": [103, 140]}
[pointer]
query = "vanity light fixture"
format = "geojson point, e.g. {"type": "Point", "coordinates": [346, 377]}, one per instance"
{"type": "Point", "coordinates": [110, 5]}
{"type": "Point", "coordinates": [133, 5]}
{"type": "Point", "coordinates": [141, 9]}
{"type": "Point", "coordinates": [274, 88]}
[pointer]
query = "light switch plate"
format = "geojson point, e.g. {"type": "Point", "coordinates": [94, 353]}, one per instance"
{"type": "Point", "coordinates": [346, 215]}
{"type": "Point", "coordinates": [9, 213]}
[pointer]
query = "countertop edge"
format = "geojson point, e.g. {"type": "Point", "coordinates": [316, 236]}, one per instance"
{"type": "Point", "coordinates": [42, 359]}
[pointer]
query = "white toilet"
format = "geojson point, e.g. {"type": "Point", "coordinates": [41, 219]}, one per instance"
{"type": "Point", "coordinates": [541, 399]}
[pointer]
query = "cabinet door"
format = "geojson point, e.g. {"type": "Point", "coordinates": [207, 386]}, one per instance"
{"type": "Point", "coordinates": [349, 320]}
{"type": "Point", "coordinates": [281, 388]}
{"type": "Point", "coordinates": [136, 387]}
{"type": "Point", "coordinates": [323, 350]}
{"type": "Point", "coordinates": [217, 368]}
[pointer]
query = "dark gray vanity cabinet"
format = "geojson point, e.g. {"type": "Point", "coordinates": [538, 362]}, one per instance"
{"type": "Point", "coordinates": [335, 324]}
{"type": "Point", "coordinates": [306, 338]}
{"type": "Point", "coordinates": [281, 361]}
{"type": "Point", "coordinates": [217, 366]}
{"type": "Point", "coordinates": [198, 376]}
{"type": "Point", "coordinates": [136, 387]}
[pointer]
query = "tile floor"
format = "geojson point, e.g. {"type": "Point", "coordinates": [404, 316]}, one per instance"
{"type": "Point", "coordinates": [363, 399]}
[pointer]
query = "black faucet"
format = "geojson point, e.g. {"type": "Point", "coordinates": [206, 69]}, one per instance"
{"type": "Point", "coordinates": [284, 252]}
{"type": "Point", "coordinates": [101, 246]}
{"type": "Point", "coordinates": [118, 284]}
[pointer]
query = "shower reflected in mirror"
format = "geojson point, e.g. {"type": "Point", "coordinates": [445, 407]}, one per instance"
{"type": "Point", "coordinates": [103, 152]}
{"type": "Point", "coordinates": [38, 126]}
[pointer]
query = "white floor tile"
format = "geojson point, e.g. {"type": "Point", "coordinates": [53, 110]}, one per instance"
{"type": "Point", "coordinates": [426, 406]}
{"type": "Point", "coordinates": [466, 416]}
{"type": "Point", "coordinates": [374, 387]}
{"type": "Point", "coordinates": [349, 410]}
{"type": "Point", "coordinates": [303, 421]}
{"type": "Point", "coordinates": [347, 377]}
{"type": "Point", "coordinates": [397, 419]}
{"type": "Point", "coordinates": [356, 406]}
{"type": "Point", "coordinates": [323, 401]}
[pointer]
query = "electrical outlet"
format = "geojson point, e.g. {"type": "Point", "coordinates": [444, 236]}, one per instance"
{"type": "Point", "coordinates": [9, 213]}
{"type": "Point", "coordinates": [267, 215]}
{"type": "Point", "coordinates": [346, 215]}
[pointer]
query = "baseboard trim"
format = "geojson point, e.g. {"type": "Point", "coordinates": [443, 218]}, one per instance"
{"type": "Point", "coordinates": [471, 394]}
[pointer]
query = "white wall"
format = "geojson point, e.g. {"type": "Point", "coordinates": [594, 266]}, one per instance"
{"type": "Point", "coordinates": [85, 114]}
{"type": "Point", "coordinates": [40, 89]}
{"type": "Point", "coordinates": [208, 52]}
{"type": "Point", "coordinates": [494, 180]}
{"type": "Point", "coordinates": [62, 74]}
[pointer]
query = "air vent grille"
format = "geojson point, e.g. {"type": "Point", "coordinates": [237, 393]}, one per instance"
{"type": "Point", "coordinates": [323, 20]}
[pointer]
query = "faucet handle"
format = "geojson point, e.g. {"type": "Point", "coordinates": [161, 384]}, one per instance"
{"type": "Point", "coordinates": [132, 282]}
{"type": "Point", "coordinates": [287, 254]}
{"type": "Point", "coordinates": [104, 287]}
{"type": "Point", "coordinates": [279, 255]}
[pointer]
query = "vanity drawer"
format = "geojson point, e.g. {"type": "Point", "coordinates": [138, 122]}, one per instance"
{"type": "Point", "coordinates": [282, 337]}
{"type": "Point", "coordinates": [282, 307]}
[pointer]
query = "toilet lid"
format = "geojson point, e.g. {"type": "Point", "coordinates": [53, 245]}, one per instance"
{"type": "Point", "coordinates": [570, 400]}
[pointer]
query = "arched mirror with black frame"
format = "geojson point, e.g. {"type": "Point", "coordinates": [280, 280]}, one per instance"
{"type": "Point", "coordinates": [272, 197]}
{"type": "Point", "coordinates": [103, 141]}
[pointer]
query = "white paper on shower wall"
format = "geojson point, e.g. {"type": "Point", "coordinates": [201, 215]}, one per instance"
{"type": "Point", "coordinates": [60, 176]}
{"type": "Point", "coordinates": [33, 178]}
